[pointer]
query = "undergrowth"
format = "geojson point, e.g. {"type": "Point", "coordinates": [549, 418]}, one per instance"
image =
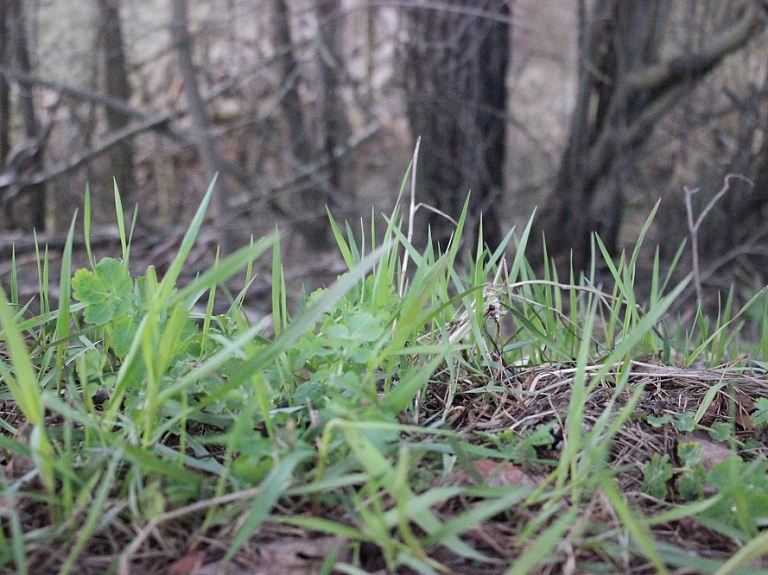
{"type": "Point", "coordinates": [460, 415]}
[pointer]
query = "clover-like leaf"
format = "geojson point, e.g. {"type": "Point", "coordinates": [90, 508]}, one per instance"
{"type": "Point", "coordinates": [690, 484]}
{"type": "Point", "coordinates": [122, 335]}
{"type": "Point", "coordinates": [685, 421]}
{"type": "Point", "coordinates": [743, 488]}
{"type": "Point", "coordinates": [107, 291]}
{"type": "Point", "coordinates": [760, 415]}
{"type": "Point", "coordinates": [721, 431]}
{"type": "Point", "coordinates": [657, 473]}
{"type": "Point", "coordinates": [659, 420]}
{"type": "Point", "coordinates": [314, 391]}
{"type": "Point", "coordinates": [689, 453]}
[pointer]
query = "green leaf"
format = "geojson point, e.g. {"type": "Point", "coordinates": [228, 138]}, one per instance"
{"type": "Point", "coordinates": [689, 453]}
{"type": "Point", "coordinates": [690, 485]}
{"type": "Point", "coordinates": [107, 291]}
{"type": "Point", "coordinates": [744, 493]}
{"type": "Point", "coordinates": [721, 431]}
{"type": "Point", "coordinates": [685, 422]}
{"type": "Point", "coordinates": [124, 330]}
{"type": "Point", "coordinates": [760, 415]}
{"type": "Point", "coordinates": [539, 437]}
{"type": "Point", "coordinates": [656, 475]}
{"type": "Point", "coordinates": [658, 421]}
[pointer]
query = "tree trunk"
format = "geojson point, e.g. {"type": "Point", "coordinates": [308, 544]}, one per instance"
{"type": "Point", "coordinates": [735, 233]}
{"type": "Point", "coordinates": [309, 201]}
{"type": "Point", "coordinates": [117, 86]}
{"type": "Point", "coordinates": [455, 79]}
{"type": "Point", "coordinates": [624, 89]}
{"type": "Point", "coordinates": [206, 145]}
{"type": "Point", "coordinates": [5, 95]}
{"type": "Point", "coordinates": [332, 113]}
{"type": "Point", "coordinates": [25, 204]}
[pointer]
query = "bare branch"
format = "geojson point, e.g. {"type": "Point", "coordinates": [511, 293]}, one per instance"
{"type": "Point", "coordinates": [684, 68]}
{"type": "Point", "coordinates": [693, 226]}
{"type": "Point", "coordinates": [20, 243]}
{"type": "Point", "coordinates": [451, 8]}
{"type": "Point", "coordinates": [613, 139]}
{"type": "Point", "coordinates": [97, 98]}
{"type": "Point", "coordinates": [306, 170]}
{"type": "Point", "coordinates": [117, 138]}
{"type": "Point", "coordinates": [160, 124]}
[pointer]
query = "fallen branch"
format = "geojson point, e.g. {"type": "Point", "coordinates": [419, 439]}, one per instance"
{"type": "Point", "coordinates": [25, 243]}
{"type": "Point", "coordinates": [117, 138]}
{"type": "Point", "coordinates": [305, 171]}
{"type": "Point", "coordinates": [97, 98]}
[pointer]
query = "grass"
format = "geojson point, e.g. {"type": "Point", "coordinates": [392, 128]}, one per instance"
{"type": "Point", "coordinates": [445, 418]}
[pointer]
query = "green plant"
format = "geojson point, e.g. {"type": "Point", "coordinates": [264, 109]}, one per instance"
{"type": "Point", "coordinates": [438, 414]}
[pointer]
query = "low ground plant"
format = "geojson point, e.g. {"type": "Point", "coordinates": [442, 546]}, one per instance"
{"type": "Point", "coordinates": [426, 413]}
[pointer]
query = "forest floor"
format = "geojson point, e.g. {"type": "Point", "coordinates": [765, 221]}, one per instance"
{"type": "Point", "coordinates": [417, 415]}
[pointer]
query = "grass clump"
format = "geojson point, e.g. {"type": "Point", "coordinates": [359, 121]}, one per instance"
{"type": "Point", "coordinates": [442, 417]}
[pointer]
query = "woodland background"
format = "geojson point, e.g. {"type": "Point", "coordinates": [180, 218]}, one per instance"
{"type": "Point", "coordinates": [590, 110]}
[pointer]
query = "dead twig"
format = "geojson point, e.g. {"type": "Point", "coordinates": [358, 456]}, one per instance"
{"type": "Point", "coordinates": [693, 226]}
{"type": "Point", "coordinates": [411, 215]}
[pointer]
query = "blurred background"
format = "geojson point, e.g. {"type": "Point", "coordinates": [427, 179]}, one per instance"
{"type": "Point", "coordinates": [588, 111]}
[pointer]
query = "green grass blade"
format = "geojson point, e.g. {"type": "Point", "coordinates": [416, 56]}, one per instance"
{"type": "Point", "coordinates": [271, 490]}
{"type": "Point", "coordinates": [87, 225]}
{"type": "Point", "coordinates": [540, 551]}
{"type": "Point", "coordinates": [24, 388]}
{"type": "Point", "coordinates": [754, 549]}
{"type": "Point", "coordinates": [14, 278]}
{"type": "Point", "coordinates": [121, 223]}
{"type": "Point", "coordinates": [63, 315]}
{"type": "Point", "coordinates": [221, 272]}
{"type": "Point", "coordinates": [95, 513]}
{"type": "Point", "coordinates": [636, 526]}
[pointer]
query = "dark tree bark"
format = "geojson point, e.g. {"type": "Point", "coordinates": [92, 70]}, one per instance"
{"type": "Point", "coordinates": [206, 144]}
{"type": "Point", "coordinates": [309, 201]}
{"type": "Point", "coordinates": [455, 72]}
{"type": "Point", "coordinates": [624, 89]}
{"type": "Point", "coordinates": [117, 86]}
{"type": "Point", "coordinates": [734, 235]}
{"type": "Point", "coordinates": [332, 112]}
{"type": "Point", "coordinates": [24, 204]}
{"type": "Point", "coordinates": [5, 95]}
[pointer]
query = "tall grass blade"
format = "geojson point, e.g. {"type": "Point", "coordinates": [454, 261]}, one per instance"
{"type": "Point", "coordinates": [271, 490]}
{"type": "Point", "coordinates": [87, 225]}
{"type": "Point", "coordinates": [63, 316]}
{"type": "Point", "coordinates": [95, 513]}
{"type": "Point", "coordinates": [540, 551]}
{"type": "Point", "coordinates": [634, 524]}
{"type": "Point", "coordinates": [24, 388]}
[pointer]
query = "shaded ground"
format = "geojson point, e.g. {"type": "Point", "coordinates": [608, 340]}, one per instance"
{"type": "Point", "coordinates": [486, 408]}
{"type": "Point", "coordinates": [512, 421]}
